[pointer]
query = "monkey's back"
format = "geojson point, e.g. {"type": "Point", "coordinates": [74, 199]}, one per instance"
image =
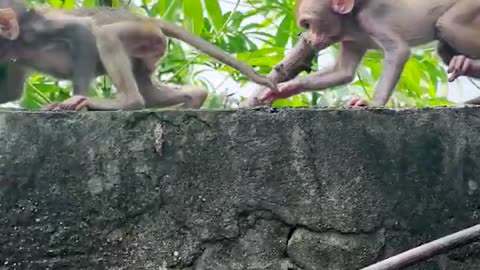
{"type": "Point", "coordinates": [105, 15]}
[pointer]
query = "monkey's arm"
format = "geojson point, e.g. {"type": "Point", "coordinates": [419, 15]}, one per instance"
{"type": "Point", "coordinates": [396, 53]}
{"type": "Point", "coordinates": [83, 49]}
{"type": "Point", "coordinates": [84, 56]}
{"type": "Point", "coordinates": [458, 65]}
{"type": "Point", "coordinates": [351, 55]}
{"type": "Point", "coordinates": [298, 59]}
{"type": "Point", "coordinates": [118, 66]}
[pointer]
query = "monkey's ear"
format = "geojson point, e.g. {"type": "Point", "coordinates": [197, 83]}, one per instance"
{"type": "Point", "coordinates": [342, 6]}
{"type": "Point", "coordinates": [9, 27]}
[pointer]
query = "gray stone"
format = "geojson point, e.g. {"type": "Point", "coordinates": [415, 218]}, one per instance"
{"type": "Point", "coordinates": [332, 250]}
{"type": "Point", "coordinates": [235, 189]}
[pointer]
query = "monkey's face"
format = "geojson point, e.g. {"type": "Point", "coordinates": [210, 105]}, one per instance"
{"type": "Point", "coordinates": [323, 26]}
{"type": "Point", "coordinates": [9, 28]}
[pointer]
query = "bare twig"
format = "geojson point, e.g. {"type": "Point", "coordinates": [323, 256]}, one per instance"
{"type": "Point", "coordinates": [298, 59]}
{"type": "Point", "coordinates": [427, 251]}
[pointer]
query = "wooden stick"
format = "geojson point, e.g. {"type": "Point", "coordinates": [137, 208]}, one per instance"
{"type": "Point", "coordinates": [426, 251]}
{"type": "Point", "coordinates": [298, 59]}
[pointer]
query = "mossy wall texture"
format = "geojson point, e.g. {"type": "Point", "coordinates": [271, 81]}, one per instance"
{"type": "Point", "coordinates": [277, 190]}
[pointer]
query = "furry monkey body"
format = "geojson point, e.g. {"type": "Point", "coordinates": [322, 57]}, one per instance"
{"type": "Point", "coordinates": [126, 46]}
{"type": "Point", "coordinates": [359, 25]}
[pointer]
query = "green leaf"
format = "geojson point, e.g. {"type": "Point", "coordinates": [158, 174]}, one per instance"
{"type": "Point", "coordinates": [214, 13]}
{"type": "Point", "coordinates": [116, 3]}
{"type": "Point", "coordinates": [193, 12]}
{"type": "Point", "coordinates": [68, 4]}
{"type": "Point", "coordinates": [282, 36]}
{"type": "Point", "coordinates": [55, 3]}
{"type": "Point", "coordinates": [169, 12]}
{"type": "Point", "coordinates": [89, 3]}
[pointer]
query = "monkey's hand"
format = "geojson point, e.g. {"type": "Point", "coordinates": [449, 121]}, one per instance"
{"type": "Point", "coordinates": [463, 66]}
{"type": "Point", "coordinates": [458, 66]}
{"type": "Point", "coordinates": [74, 103]}
{"type": "Point", "coordinates": [285, 90]}
{"type": "Point", "coordinates": [357, 102]}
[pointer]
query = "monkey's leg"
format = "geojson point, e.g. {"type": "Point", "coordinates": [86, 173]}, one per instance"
{"type": "Point", "coordinates": [84, 57]}
{"type": "Point", "coordinates": [350, 57]}
{"type": "Point", "coordinates": [83, 52]}
{"type": "Point", "coordinates": [11, 88]}
{"type": "Point", "coordinates": [473, 101]}
{"type": "Point", "coordinates": [149, 45]}
{"type": "Point", "coordinates": [118, 66]}
{"type": "Point", "coordinates": [164, 95]}
{"type": "Point", "coordinates": [460, 27]}
{"type": "Point", "coordinates": [78, 33]}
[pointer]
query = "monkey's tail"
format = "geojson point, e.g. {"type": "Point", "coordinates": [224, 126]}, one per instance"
{"type": "Point", "coordinates": [172, 30]}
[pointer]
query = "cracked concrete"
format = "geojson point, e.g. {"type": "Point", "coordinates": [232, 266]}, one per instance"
{"type": "Point", "coordinates": [248, 189]}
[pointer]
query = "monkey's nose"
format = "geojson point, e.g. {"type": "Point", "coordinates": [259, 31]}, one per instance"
{"type": "Point", "coordinates": [318, 41]}
{"type": "Point", "coordinates": [318, 44]}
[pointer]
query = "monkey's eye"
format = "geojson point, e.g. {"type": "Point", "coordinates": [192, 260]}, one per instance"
{"type": "Point", "coordinates": [305, 24]}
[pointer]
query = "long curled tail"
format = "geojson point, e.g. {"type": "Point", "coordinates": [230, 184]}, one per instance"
{"type": "Point", "coordinates": [174, 31]}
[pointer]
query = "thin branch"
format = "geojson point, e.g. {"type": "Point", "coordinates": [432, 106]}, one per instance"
{"type": "Point", "coordinates": [473, 82]}
{"type": "Point", "coordinates": [298, 59]}
{"type": "Point", "coordinates": [429, 250]}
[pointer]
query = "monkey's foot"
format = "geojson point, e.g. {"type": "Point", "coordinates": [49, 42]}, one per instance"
{"type": "Point", "coordinates": [285, 90]}
{"type": "Point", "coordinates": [357, 102]}
{"type": "Point", "coordinates": [250, 103]}
{"type": "Point", "coordinates": [74, 103]}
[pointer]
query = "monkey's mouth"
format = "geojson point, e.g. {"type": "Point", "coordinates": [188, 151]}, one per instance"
{"type": "Point", "coordinates": [322, 42]}
{"type": "Point", "coordinates": [321, 45]}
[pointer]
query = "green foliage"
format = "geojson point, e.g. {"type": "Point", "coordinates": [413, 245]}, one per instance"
{"type": "Point", "coordinates": [260, 36]}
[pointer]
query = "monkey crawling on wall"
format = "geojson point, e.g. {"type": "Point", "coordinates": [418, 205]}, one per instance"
{"type": "Point", "coordinates": [390, 26]}
{"type": "Point", "coordinates": [125, 46]}
{"type": "Point", "coordinates": [458, 30]}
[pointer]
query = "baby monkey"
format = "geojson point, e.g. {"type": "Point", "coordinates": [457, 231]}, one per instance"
{"type": "Point", "coordinates": [393, 27]}
{"type": "Point", "coordinates": [126, 47]}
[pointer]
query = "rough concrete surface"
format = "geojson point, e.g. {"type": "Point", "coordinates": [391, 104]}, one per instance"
{"type": "Point", "coordinates": [248, 189]}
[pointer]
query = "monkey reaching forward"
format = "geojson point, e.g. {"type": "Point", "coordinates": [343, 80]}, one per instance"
{"type": "Point", "coordinates": [390, 26]}
{"type": "Point", "coordinates": [459, 46]}
{"type": "Point", "coordinates": [117, 42]}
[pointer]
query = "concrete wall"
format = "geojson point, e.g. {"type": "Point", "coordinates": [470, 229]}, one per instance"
{"type": "Point", "coordinates": [278, 190]}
